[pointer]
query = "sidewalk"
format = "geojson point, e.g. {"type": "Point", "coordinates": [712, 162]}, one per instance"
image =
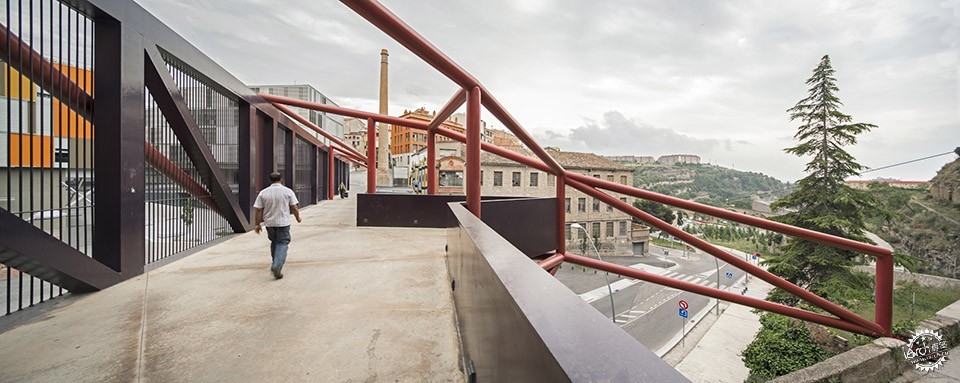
{"type": "Point", "coordinates": [716, 358]}
{"type": "Point", "coordinates": [352, 307]}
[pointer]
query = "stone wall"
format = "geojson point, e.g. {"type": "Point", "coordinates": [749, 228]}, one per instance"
{"type": "Point", "coordinates": [925, 280]}
{"type": "Point", "coordinates": [880, 361]}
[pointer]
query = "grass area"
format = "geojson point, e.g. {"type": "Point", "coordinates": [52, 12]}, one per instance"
{"type": "Point", "coordinates": [739, 244]}
{"type": "Point", "coordinates": [666, 243]}
{"type": "Point", "coordinates": [929, 300]}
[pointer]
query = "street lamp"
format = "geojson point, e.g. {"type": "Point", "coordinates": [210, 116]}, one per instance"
{"type": "Point", "coordinates": [605, 274]}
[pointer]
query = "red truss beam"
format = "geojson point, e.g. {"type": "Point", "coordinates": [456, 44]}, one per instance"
{"type": "Point", "coordinates": [278, 103]}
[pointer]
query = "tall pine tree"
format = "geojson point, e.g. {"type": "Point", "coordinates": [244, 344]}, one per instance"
{"type": "Point", "coordinates": [821, 201]}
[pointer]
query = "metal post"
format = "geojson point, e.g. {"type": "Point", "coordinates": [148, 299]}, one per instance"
{"type": "Point", "coordinates": [371, 156]}
{"type": "Point", "coordinates": [883, 310]}
{"type": "Point", "coordinates": [717, 262]}
{"type": "Point", "coordinates": [606, 275]}
{"type": "Point", "coordinates": [431, 162]}
{"type": "Point", "coordinates": [331, 160]}
{"type": "Point", "coordinates": [561, 215]}
{"type": "Point", "coordinates": [473, 151]}
{"type": "Point", "coordinates": [119, 157]}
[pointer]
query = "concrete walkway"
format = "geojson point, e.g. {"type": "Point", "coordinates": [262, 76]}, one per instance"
{"type": "Point", "coordinates": [355, 305]}
{"type": "Point", "coordinates": [716, 358]}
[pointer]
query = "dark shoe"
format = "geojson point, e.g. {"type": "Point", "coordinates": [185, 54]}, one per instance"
{"type": "Point", "coordinates": [276, 273]}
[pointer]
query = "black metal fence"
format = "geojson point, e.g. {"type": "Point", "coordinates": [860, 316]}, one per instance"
{"type": "Point", "coordinates": [46, 149]}
{"type": "Point", "coordinates": [176, 220]}
{"type": "Point", "coordinates": [208, 145]}
{"type": "Point", "coordinates": [305, 172]}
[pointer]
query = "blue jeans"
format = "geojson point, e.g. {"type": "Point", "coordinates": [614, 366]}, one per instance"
{"type": "Point", "coordinates": [279, 242]}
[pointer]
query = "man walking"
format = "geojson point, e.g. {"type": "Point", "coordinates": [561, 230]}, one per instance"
{"type": "Point", "coordinates": [274, 205]}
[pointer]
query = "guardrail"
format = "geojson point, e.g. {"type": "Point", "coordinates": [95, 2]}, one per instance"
{"type": "Point", "coordinates": [474, 95]}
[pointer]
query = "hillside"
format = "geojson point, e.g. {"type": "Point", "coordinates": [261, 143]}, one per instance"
{"type": "Point", "coordinates": [709, 184]}
{"type": "Point", "coordinates": [922, 226]}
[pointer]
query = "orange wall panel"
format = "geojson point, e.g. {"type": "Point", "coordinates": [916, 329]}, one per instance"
{"type": "Point", "coordinates": [35, 151]}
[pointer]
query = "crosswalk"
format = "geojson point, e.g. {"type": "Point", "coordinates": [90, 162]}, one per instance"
{"type": "Point", "coordinates": [696, 278]}
{"type": "Point", "coordinates": [643, 308]}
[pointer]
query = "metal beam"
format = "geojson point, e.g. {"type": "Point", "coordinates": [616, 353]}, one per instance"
{"type": "Point", "coordinates": [734, 261]}
{"type": "Point", "coordinates": [170, 101]}
{"type": "Point", "coordinates": [720, 294]}
{"type": "Point", "coordinates": [33, 251]}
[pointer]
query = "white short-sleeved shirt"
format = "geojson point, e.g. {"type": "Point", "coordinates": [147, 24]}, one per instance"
{"type": "Point", "coordinates": [275, 200]}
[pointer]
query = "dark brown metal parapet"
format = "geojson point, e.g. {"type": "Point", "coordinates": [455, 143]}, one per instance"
{"type": "Point", "coordinates": [519, 324]}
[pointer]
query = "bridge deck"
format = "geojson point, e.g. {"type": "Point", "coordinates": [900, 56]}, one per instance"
{"type": "Point", "coordinates": [356, 304]}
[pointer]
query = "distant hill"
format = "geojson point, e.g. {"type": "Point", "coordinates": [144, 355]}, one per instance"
{"type": "Point", "coordinates": [946, 185]}
{"type": "Point", "coordinates": [709, 184]}
{"type": "Point", "coordinates": [922, 226]}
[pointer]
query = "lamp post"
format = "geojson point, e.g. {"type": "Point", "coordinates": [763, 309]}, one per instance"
{"type": "Point", "coordinates": [606, 277]}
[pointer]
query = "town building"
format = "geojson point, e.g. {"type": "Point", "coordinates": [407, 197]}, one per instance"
{"type": "Point", "coordinates": [617, 233]}
{"type": "Point", "coordinates": [409, 140]}
{"type": "Point", "coordinates": [671, 159]}
{"type": "Point", "coordinates": [632, 160]}
{"type": "Point", "coordinates": [864, 184]}
{"type": "Point", "coordinates": [331, 123]}
{"type": "Point", "coordinates": [404, 142]}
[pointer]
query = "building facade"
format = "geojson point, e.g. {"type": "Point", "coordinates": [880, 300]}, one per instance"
{"type": "Point", "coordinates": [671, 159]}
{"type": "Point", "coordinates": [409, 140]}
{"type": "Point", "coordinates": [330, 123]}
{"type": "Point", "coordinates": [631, 160]}
{"type": "Point", "coordinates": [864, 184]}
{"type": "Point", "coordinates": [614, 230]}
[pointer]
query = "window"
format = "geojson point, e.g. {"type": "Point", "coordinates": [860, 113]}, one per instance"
{"type": "Point", "coordinates": [596, 230]}
{"type": "Point", "coordinates": [566, 203]}
{"type": "Point", "coordinates": [610, 177]}
{"type": "Point", "coordinates": [551, 181]}
{"type": "Point", "coordinates": [623, 228]}
{"type": "Point", "coordinates": [481, 178]}
{"type": "Point", "coordinates": [534, 179]}
{"type": "Point", "coordinates": [568, 225]}
{"type": "Point", "coordinates": [596, 205]}
{"type": "Point", "coordinates": [516, 179]}
{"type": "Point", "coordinates": [497, 178]}
{"type": "Point", "coordinates": [596, 176]}
{"type": "Point", "coordinates": [610, 229]}
{"type": "Point", "coordinates": [609, 208]}
{"type": "Point", "coordinates": [450, 178]}
{"type": "Point", "coordinates": [623, 199]}
{"type": "Point", "coordinates": [623, 180]}
{"type": "Point", "coordinates": [582, 205]}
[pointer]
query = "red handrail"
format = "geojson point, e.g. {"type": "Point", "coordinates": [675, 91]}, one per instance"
{"type": "Point", "coordinates": [390, 24]}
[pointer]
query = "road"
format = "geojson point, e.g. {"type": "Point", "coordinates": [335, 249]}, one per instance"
{"type": "Point", "coordinates": [647, 311]}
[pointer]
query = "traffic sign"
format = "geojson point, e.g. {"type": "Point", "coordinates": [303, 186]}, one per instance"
{"type": "Point", "coordinates": [683, 313]}
{"type": "Point", "coordinates": [756, 255]}
{"type": "Point", "coordinates": [729, 275]}
{"type": "Point", "coordinates": [683, 304]}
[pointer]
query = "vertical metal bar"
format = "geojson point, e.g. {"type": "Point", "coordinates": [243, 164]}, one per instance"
{"type": "Point", "coordinates": [371, 156]}
{"type": "Point", "coordinates": [20, 142]}
{"type": "Point", "coordinates": [120, 119]}
{"type": "Point", "coordinates": [561, 214]}
{"type": "Point", "coordinates": [331, 160]}
{"type": "Point", "coordinates": [473, 151]}
{"type": "Point", "coordinates": [883, 309]}
{"type": "Point", "coordinates": [431, 162]}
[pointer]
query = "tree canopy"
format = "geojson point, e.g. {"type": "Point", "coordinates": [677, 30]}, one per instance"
{"type": "Point", "coordinates": [821, 201]}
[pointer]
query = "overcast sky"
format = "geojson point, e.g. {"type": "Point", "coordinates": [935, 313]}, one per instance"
{"type": "Point", "coordinates": [712, 78]}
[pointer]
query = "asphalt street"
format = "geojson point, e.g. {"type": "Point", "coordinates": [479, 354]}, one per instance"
{"type": "Point", "coordinates": [647, 311]}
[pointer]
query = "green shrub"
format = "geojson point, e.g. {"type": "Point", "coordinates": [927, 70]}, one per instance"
{"type": "Point", "coordinates": [782, 346]}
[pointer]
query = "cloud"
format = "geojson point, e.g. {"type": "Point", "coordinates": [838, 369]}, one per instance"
{"type": "Point", "coordinates": [705, 76]}
{"type": "Point", "coordinates": [617, 134]}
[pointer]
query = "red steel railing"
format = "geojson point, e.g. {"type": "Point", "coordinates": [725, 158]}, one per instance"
{"type": "Point", "coordinates": [474, 95]}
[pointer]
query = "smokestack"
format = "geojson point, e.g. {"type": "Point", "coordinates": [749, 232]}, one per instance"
{"type": "Point", "coordinates": [383, 150]}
